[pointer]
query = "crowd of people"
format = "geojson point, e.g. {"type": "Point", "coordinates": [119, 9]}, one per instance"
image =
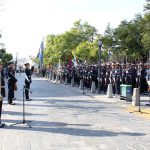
{"type": "Point", "coordinates": [136, 75]}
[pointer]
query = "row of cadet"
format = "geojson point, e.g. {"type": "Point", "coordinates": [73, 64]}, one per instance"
{"type": "Point", "coordinates": [115, 74]}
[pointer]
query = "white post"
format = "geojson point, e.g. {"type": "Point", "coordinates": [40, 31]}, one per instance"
{"type": "Point", "coordinates": [93, 87]}
{"type": "Point", "coordinates": [109, 91]}
{"type": "Point", "coordinates": [136, 97]}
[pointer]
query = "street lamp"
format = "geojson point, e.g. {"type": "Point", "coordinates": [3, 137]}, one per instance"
{"type": "Point", "coordinates": [99, 67]}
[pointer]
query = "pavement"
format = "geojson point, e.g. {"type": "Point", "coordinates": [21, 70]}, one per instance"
{"type": "Point", "coordinates": [63, 118]}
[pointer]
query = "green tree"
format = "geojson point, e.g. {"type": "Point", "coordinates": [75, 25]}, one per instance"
{"type": "Point", "coordinates": [6, 58]}
{"type": "Point", "coordinates": [147, 6]}
{"type": "Point", "coordinates": [61, 46]}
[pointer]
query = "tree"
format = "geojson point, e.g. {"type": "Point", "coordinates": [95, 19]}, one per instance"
{"type": "Point", "coordinates": [146, 24]}
{"type": "Point", "coordinates": [6, 58]}
{"type": "Point", "coordinates": [147, 6]}
{"type": "Point", "coordinates": [62, 46]}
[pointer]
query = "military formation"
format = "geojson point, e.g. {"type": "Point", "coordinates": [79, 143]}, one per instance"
{"type": "Point", "coordinates": [136, 75]}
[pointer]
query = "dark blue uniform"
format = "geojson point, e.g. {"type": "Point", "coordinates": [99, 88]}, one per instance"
{"type": "Point", "coordinates": [28, 81]}
{"type": "Point", "coordinates": [11, 84]}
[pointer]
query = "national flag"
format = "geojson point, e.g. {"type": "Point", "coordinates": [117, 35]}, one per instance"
{"type": "Point", "coordinates": [40, 53]}
{"type": "Point", "coordinates": [59, 64]}
{"type": "Point", "coordinates": [74, 60]}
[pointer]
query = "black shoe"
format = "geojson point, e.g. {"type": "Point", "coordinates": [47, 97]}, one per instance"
{"type": "Point", "coordinates": [12, 103]}
{"type": "Point", "coordinates": [28, 99]}
{"type": "Point", "coordinates": [2, 125]}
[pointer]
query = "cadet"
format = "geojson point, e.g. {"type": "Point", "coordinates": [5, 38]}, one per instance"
{"type": "Point", "coordinates": [28, 81]}
{"type": "Point", "coordinates": [113, 77]}
{"type": "Point", "coordinates": [11, 83]}
{"type": "Point", "coordinates": [108, 71]}
{"type": "Point", "coordinates": [133, 76]}
{"type": "Point", "coordinates": [118, 79]}
{"type": "Point", "coordinates": [143, 81]}
{"type": "Point", "coordinates": [2, 92]}
{"type": "Point", "coordinates": [123, 72]}
{"type": "Point", "coordinates": [103, 78]}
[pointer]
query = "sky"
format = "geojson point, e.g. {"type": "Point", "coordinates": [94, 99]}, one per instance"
{"type": "Point", "coordinates": [24, 23]}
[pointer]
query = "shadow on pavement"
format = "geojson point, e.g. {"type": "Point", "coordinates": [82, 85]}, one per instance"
{"type": "Point", "coordinates": [64, 128]}
{"type": "Point", "coordinates": [14, 113]}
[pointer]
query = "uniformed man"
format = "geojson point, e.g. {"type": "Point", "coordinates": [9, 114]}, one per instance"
{"type": "Point", "coordinates": [103, 78]}
{"type": "Point", "coordinates": [94, 75]}
{"type": "Point", "coordinates": [143, 81]}
{"type": "Point", "coordinates": [118, 78]}
{"type": "Point", "coordinates": [128, 74]}
{"type": "Point", "coordinates": [123, 73]}
{"type": "Point", "coordinates": [11, 82]}
{"type": "Point", "coordinates": [2, 91]}
{"type": "Point", "coordinates": [133, 76]}
{"type": "Point", "coordinates": [108, 78]}
{"type": "Point", "coordinates": [28, 80]}
{"type": "Point", "coordinates": [113, 77]}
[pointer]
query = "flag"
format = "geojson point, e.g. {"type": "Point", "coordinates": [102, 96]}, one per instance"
{"type": "Point", "coordinates": [40, 53]}
{"type": "Point", "coordinates": [74, 60]}
{"type": "Point", "coordinates": [59, 64]}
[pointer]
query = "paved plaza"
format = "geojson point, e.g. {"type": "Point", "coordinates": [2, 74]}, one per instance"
{"type": "Point", "coordinates": [62, 118]}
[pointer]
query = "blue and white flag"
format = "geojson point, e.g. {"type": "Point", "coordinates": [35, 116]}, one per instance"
{"type": "Point", "coordinates": [74, 61]}
{"type": "Point", "coordinates": [40, 53]}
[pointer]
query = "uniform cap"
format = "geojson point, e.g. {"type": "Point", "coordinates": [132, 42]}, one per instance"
{"type": "Point", "coordinates": [113, 64]}
{"type": "Point", "coordinates": [26, 64]}
{"type": "Point", "coordinates": [11, 62]}
{"type": "Point", "coordinates": [141, 64]}
{"type": "Point", "coordinates": [108, 64]}
{"type": "Point", "coordinates": [117, 63]}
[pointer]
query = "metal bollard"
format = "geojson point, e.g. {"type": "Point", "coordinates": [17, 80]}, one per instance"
{"type": "Point", "coordinates": [81, 85]}
{"type": "Point", "coordinates": [72, 82]}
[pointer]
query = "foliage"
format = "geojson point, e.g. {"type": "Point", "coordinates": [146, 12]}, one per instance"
{"type": "Point", "coordinates": [6, 58]}
{"type": "Point", "coordinates": [62, 46]}
{"type": "Point", "coordinates": [130, 39]}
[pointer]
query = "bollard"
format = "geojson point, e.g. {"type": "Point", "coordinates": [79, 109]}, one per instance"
{"type": "Point", "coordinates": [61, 80]}
{"type": "Point", "coordinates": [56, 78]}
{"type": "Point", "coordinates": [51, 76]}
{"type": "Point", "coordinates": [66, 80]}
{"type": "Point", "coordinates": [48, 76]}
{"type": "Point", "coordinates": [136, 97]}
{"type": "Point", "coordinates": [72, 82]}
{"type": "Point", "coordinates": [81, 85]}
{"type": "Point", "coordinates": [109, 91]}
{"type": "Point", "coordinates": [93, 89]}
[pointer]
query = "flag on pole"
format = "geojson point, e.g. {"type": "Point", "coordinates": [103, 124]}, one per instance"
{"type": "Point", "coordinates": [59, 64]}
{"type": "Point", "coordinates": [74, 60]}
{"type": "Point", "coordinates": [40, 53]}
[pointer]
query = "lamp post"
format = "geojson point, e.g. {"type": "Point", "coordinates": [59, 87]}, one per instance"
{"type": "Point", "coordinates": [99, 67]}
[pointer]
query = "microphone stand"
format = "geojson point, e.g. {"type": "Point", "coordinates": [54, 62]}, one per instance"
{"type": "Point", "coordinates": [28, 123]}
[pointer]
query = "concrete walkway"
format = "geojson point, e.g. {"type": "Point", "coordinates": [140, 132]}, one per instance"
{"type": "Point", "coordinates": [62, 118]}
